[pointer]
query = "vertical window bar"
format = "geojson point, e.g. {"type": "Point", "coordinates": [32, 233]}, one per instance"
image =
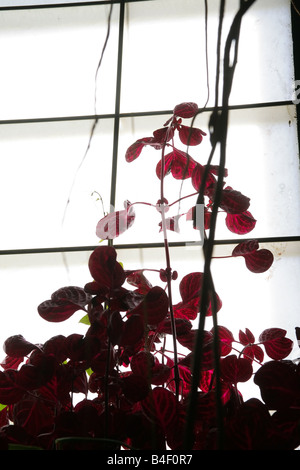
{"type": "Point", "coordinates": [117, 106]}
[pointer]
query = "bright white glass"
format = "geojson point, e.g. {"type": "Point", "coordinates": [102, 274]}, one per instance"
{"type": "Point", "coordinates": [262, 163]}
{"type": "Point", "coordinates": [42, 167]}
{"type": "Point", "coordinates": [164, 53]}
{"type": "Point", "coordinates": [49, 59]}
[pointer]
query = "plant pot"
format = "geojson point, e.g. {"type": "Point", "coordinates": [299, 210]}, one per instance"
{"type": "Point", "coordinates": [86, 443]}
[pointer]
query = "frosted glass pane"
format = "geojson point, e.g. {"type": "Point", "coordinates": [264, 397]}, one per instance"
{"type": "Point", "coordinates": [15, 3]}
{"type": "Point", "coordinates": [164, 53]}
{"type": "Point", "coordinates": [262, 163]}
{"type": "Point", "coordinates": [42, 166]}
{"type": "Point", "coordinates": [49, 59]}
{"type": "Point", "coordinates": [36, 276]}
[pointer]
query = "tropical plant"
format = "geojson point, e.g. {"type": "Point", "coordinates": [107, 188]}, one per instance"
{"type": "Point", "coordinates": [139, 393]}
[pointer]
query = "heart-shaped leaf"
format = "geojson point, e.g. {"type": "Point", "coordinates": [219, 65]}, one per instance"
{"type": "Point", "coordinates": [234, 369]}
{"type": "Point", "coordinates": [63, 304]}
{"type": "Point", "coordinates": [185, 110]}
{"type": "Point", "coordinates": [277, 346]}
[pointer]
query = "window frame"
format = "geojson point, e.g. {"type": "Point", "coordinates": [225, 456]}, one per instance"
{"type": "Point", "coordinates": [117, 116]}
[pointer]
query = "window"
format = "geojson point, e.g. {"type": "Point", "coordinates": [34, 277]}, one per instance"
{"type": "Point", "coordinates": [56, 182]}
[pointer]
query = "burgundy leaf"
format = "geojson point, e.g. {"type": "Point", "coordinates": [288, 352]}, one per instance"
{"type": "Point", "coordinates": [244, 248]}
{"type": "Point", "coordinates": [138, 279]}
{"type": "Point", "coordinates": [182, 326]}
{"type": "Point", "coordinates": [279, 384]}
{"type": "Point", "coordinates": [234, 202]}
{"type": "Point", "coordinates": [17, 346]}
{"type": "Point", "coordinates": [252, 352]}
{"type": "Point", "coordinates": [115, 327]}
{"type": "Point", "coordinates": [133, 331]}
{"type": "Point", "coordinates": [11, 362]}
{"type": "Point", "coordinates": [115, 223]}
{"type": "Point", "coordinates": [186, 110]}
{"type": "Point", "coordinates": [257, 261]}
{"type": "Point", "coordinates": [277, 346]}
{"type": "Point", "coordinates": [249, 428]}
{"type": "Point", "coordinates": [190, 289]}
{"type": "Point", "coordinates": [10, 393]}
{"type": "Point", "coordinates": [160, 406]}
{"type": "Point", "coordinates": [234, 369]}
{"type": "Point", "coordinates": [135, 387]}
{"type": "Point", "coordinates": [135, 149]}
{"type": "Point", "coordinates": [104, 267]}
{"type": "Point", "coordinates": [185, 380]}
{"type": "Point", "coordinates": [226, 339]}
{"type": "Point", "coordinates": [163, 135]}
{"type": "Point", "coordinates": [142, 363]}
{"type": "Point", "coordinates": [240, 223]}
{"type": "Point", "coordinates": [63, 304]}
{"type": "Point", "coordinates": [160, 374]}
{"type": "Point", "coordinates": [190, 135]}
{"type": "Point", "coordinates": [153, 308]}
{"type": "Point", "coordinates": [56, 347]}
{"type": "Point", "coordinates": [247, 337]}
{"type": "Point", "coordinates": [197, 177]}
{"type": "Point", "coordinates": [179, 163]}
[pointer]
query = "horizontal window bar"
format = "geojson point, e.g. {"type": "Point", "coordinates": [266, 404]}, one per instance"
{"type": "Point", "coordinates": [68, 5]}
{"type": "Point", "coordinates": [67, 249]}
{"type": "Point", "coordinates": [269, 104]}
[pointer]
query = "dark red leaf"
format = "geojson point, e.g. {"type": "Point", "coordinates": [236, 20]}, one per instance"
{"type": "Point", "coordinates": [138, 279]}
{"type": "Point", "coordinates": [240, 223]}
{"type": "Point", "coordinates": [142, 363]}
{"type": "Point", "coordinates": [226, 339]}
{"type": "Point", "coordinates": [160, 374]}
{"type": "Point", "coordinates": [163, 135]}
{"type": "Point", "coordinates": [153, 308]}
{"type": "Point", "coordinates": [133, 330]}
{"type": "Point", "coordinates": [190, 135]}
{"type": "Point", "coordinates": [234, 202]}
{"type": "Point", "coordinates": [160, 406]}
{"type": "Point", "coordinates": [11, 362]}
{"type": "Point", "coordinates": [179, 163]}
{"type": "Point", "coordinates": [277, 346]}
{"type": "Point", "coordinates": [190, 289]}
{"type": "Point", "coordinates": [10, 393]}
{"type": "Point", "coordinates": [115, 223]}
{"type": "Point", "coordinates": [186, 110]}
{"type": "Point", "coordinates": [249, 429]}
{"type": "Point", "coordinates": [257, 261]}
{"type": "Point", "coordinates": [135, 149]}
{"type": "Point", "coordinates": [247, 337]}
{"type": "Point", "coordinates": [115, 327]}
{"type": "Point", "coordinates": [135, 387]}
{"type": "Point", "coordinates": [252, 352]}
{"type": "Point", "coordinates": [244, 248]}
{"type": "Point", "coordinates": [56, 347]}
{"type": "Point", "coordinates": [279, 384]}
{"type": "Point", "coordinates": [104, 267]}
{"type": "Point", "coordinates": [17, 346]}
{"type": "Point", "coordinates": [63, 304]}
{"type": "Point", "coordinates": [234, 369]}
{"type": "Point", "coordinates": [197, 177]}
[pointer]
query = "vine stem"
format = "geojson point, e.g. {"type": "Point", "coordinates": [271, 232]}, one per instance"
{"type": "Point", "coordinates": [169, 273]}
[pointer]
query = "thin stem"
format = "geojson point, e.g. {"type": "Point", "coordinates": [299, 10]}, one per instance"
{"type": "Point", "coordinates": [169, 274]}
